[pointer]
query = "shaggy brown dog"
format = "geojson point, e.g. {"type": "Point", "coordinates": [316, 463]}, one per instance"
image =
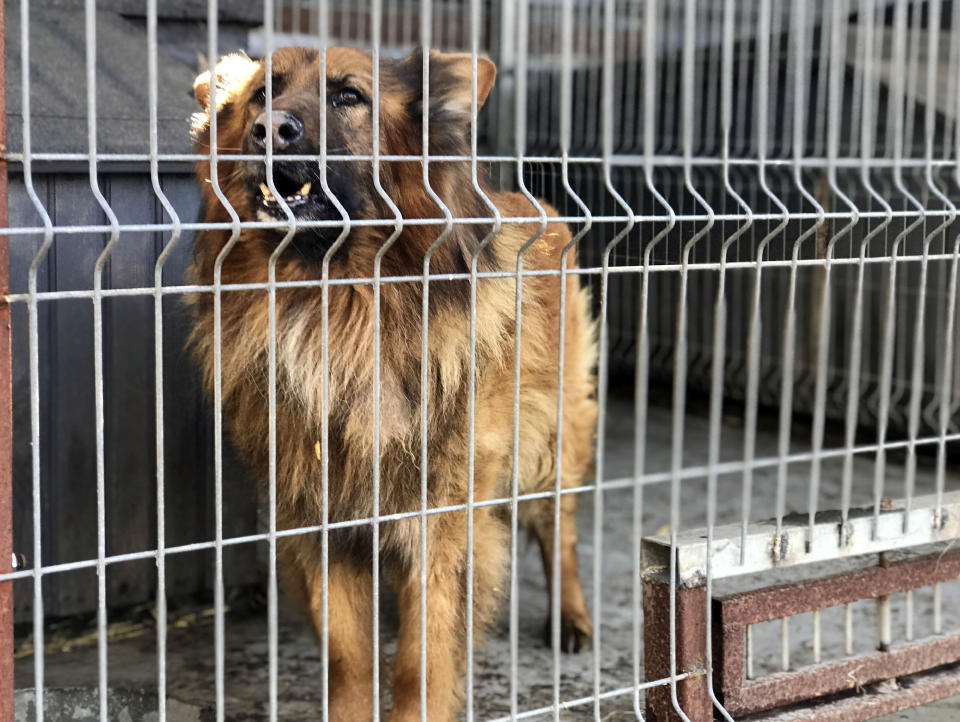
{"type": "Point", "coordinates": [294, 126]}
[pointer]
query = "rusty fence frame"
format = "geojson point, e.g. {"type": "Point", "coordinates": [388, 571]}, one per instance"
{"type": "Point", "coordinates": [852, 687]}
{"type": "Point", "coordinates": [6, 416]}
{"type": "Point", "coordinates": [736, 611]}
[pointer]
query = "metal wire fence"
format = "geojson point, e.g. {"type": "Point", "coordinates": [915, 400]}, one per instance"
{"type": "Point", "coordinates": [763, 200]}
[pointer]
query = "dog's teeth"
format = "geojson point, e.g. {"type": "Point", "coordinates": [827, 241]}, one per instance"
{"type": "Point", "coordinates": [305, 189]}
{"type": "Point", "coordinates": [267, 195]}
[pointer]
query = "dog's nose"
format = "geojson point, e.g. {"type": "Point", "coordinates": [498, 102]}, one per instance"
{"type": "Point", "coordinates": [286, 129]}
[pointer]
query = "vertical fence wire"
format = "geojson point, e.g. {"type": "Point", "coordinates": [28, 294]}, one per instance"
{"type": "Point", "coordinates": [566, 82]}
{"type": "Point", "coordinates": [475, 16]}
{"type": "Point", "coordinates": [642, 379]}
{"type": "Point", "coordinates": [34, 352]}
{"type": "Point", "coordinates": [377, 396]}
{"type": "Point", "coordinates": [607, 148]}
{"type": "Point", "coordinates": [720, 331]}
{"type": "Point", "coordinates": [90, 33]}
{"type": "Point", "coordinates": [214, 167]}
{"type": "Point", "coordinates": [520, 134]}
{"type": "Point", "coordinates": [788, 355]}
{"type": "Point", "coordinates": [426, 29]}
{"type": "Point", "coordinates": [949, 323]}
{"type": "Point", "coordinates": [272, 591]}
{"type": "Point", "coordinates": [680, 360]}
{"type": "Point", "coordinates": [159, 417]}
{"type": "Point", "coordinates": [825, 305]}
{"type": "Point", "coordinates": [323, 12]}
{"type": "Point", "coordinates": [916, 391]}
{"type": "Point", "coordinates": [871, 15]}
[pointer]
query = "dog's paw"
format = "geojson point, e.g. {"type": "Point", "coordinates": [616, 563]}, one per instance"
{"type": "Point", "coordinates": [576, 631]}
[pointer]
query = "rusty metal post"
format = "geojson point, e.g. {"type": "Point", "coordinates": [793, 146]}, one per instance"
{"type": "Point", "coordinates": [6, 417]}
{"type": "Point", "coordinates": [690, 629]}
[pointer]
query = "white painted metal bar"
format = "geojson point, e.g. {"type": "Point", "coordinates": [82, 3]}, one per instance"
{"type": "Point", "coordinates": [90, 35]}
{"type": "Point", "coordinates": [848, 629]}
{"type": "Point", "coordinates": [870, 16]}
{"type": "Point", "coordinates": [884, 630]}
{"type": "Point", "coordinates": [642, 379]}
{"type": "Point", "coordinates": [159, 417]}
{"type": "Point", "coordinates": [817, 637]}
{"type": "Point", "coordinates": [291, 230]}
{"type": "Point", "coordinates": [218, 586]}
{"type": "Point", "coordinates": [680, 353]}
{"type": "Point", "coordinates": [520, 133]}
{"type": "Point", "coordinates": [917, 371]}
{"type": "Point", "coordinates": [866, 535]}
{"type": "Point", "coordinates": [938, 609]}
{"type": "Point", "coordinates": [323, 13]}
{"type": "Point", "coordinates": [667, 160]}
{"type": "Point", "coordinates": [720, 342]}
{"type": "Point", "coordinates": [785, 644]}
{"type": "Point", "coordinates": [908, 615]}
{"type": "Point", "coordinates": [947, 365]}
{"type": "Point", "coordinates": [898, 92]}
{"type": "Point", "coordinates": [609, 485]}
{"type": "Point", "coordinates": [589, 700]}
{"type": "Point", "coordinates": [614, 219]}
{"type": "Point", "coordinates": [34, 352]}
{"type": "Point", "coordinates": [425, 35]}
{"type": "Point", "coordinates": [788, 355]}
{"type": "Point", "coordinates": [176, 290]}
{"type": "Point", "coordinates": [825, 305]}
{"type": "Point", "coordinates": [375, 12]}
{"type": "Point", "coordinates": [753, 350]}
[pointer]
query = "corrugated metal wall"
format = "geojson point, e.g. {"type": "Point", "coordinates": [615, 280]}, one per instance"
{"type": "Point", "coordinates": [67, 403]}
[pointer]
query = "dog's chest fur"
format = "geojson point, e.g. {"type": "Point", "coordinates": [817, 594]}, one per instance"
{"type": "Point", "coordinates": [346, 398]}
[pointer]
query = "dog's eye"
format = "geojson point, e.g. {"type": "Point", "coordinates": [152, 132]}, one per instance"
{"type": "Point", "coordinates": [260, 96]}
{"type": "Point", "coordinates": [344, 97]}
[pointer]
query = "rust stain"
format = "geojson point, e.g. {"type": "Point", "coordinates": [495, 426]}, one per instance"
{"type": "Point", "coordinates": [734, 612]}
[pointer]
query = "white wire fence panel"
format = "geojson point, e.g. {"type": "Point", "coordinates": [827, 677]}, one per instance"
{"type": "Point", "coordinates": [762, 197]}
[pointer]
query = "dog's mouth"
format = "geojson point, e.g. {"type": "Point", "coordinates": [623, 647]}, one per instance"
{"type": "Point", "coordinates": [268, 200]}
{"type": "Point", "coordinates": [302, 195]}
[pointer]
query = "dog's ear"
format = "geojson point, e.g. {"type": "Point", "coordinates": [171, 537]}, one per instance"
{"type": "Point", "coordinates": [451, 83]}
{"type": "Point", "coordinates": [233, 72]}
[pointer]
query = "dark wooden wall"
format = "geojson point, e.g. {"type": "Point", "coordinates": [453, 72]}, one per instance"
{"type": "Point", "coordinates": [67, 435]}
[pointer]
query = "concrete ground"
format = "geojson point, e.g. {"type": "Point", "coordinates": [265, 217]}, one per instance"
{"type": "Point", "coordinates": [71, 676]}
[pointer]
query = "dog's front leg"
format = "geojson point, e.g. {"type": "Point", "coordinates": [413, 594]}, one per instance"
{"type": "Point", "coordinates": [445, 629]}
{"type": "Point", "coordinates": [350, 615]}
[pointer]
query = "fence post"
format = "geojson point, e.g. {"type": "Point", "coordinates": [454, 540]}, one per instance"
{"type": "Point", "coordinates": [691, 627]}
{"type": "Point", "coordinates": [6, 417]}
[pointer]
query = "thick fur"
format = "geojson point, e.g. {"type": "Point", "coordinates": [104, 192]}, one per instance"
{"type": "Point", "coordinates": [350, 392]}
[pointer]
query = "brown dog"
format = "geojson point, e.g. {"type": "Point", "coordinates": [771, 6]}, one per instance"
{"type": "Point", "coordinates": [297, 109]}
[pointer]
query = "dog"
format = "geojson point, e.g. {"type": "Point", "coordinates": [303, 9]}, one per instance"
{"type": "Point", "coordinates": [343, 436]}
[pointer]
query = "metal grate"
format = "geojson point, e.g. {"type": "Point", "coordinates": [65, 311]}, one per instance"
{"type": "Point", "coordinates": [763, 198]}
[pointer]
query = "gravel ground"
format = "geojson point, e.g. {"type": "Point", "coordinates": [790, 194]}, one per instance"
{"type": "Point", "coordinates": [132, 661]}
